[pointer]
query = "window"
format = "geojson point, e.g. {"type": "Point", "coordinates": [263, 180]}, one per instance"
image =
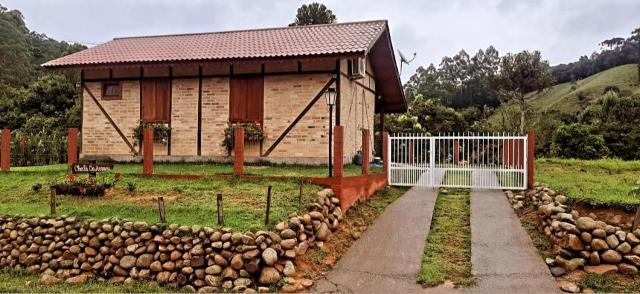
{"type": "Point", "coordinates": [156, 100]}
{"type": "Point", "coordinates": [111, 91]}
{"type": "Point", "coordinates": [247, 99]}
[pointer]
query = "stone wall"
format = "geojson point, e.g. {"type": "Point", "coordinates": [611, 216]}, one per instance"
{"type": "Point", "coordinates": [192, 258]}
{"type": "Point", "coordinates": [580, 241]}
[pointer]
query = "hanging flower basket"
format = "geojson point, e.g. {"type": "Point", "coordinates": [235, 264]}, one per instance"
{"type": "Point", "coordinates": [161, 132]}
{"type": "Point", "coordinates": [253, 132]}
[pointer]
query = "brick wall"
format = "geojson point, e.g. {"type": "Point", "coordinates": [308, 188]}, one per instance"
{"type": "Point", "coordinates": [358, 111]}
{"type": "Point", "coordinates": [284, 98]}
{"type": "Point", "coordinates": [98, 135]}
{"type": "Point", "coordinates": [184, 117]}
{"type": "Point", "coordinates": [215, 115]}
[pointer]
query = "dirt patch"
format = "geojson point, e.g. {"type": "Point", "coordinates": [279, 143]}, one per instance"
{"type": "Point", "coordinates": [610, 214]}
{"type": "Point", "coordinates": [149, 199]}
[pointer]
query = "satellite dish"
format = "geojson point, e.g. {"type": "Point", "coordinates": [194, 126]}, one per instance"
{"type": "Point", "coordinates": [404, 60]}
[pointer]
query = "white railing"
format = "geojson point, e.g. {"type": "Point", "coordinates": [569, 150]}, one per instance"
{"type": "Point", "coordinates": [489, 161]}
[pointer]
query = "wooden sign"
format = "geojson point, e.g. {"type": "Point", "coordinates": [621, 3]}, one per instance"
{"type": "Point", "coordinates": [91, 168]}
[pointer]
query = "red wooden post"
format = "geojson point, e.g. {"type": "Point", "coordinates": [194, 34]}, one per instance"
{"type": "Point", "coordinates": [147, 152]}
{"type": "Point", "coordinates": [72, 147]}
{"type": "Point", "coordinates": [366, 152]}
{"type": "Point", "coordinates": [238, 148]}
{"type": "Point", "coordinates": [385, 152]}
{"type": "Point", "coordinates": [338, 144]}
{"type": "Point", "coordinates": [456, 152]}
{"type": "Point", "coordinates": [5, 150]}
{"type": "Point", "coordinates": [531, 158]}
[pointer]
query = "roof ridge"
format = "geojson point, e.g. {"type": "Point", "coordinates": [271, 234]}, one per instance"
{"type": "Point", "coordinates": [254, 30]}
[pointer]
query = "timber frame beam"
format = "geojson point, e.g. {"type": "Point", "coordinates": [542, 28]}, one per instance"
{"type": "Point", "coordinates": [113, 123]}
{"type": "Point", "coordinates": [300, 116]}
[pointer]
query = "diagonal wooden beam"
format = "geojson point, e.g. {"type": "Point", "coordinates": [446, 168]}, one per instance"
{"type": "Point", "coordinates": [113, 123]}
{"type": "Point", "coordinates": [300, 116]}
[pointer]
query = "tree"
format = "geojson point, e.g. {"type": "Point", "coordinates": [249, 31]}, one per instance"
{"type": "Point", "coordinates": [523, 73]}
{"type": "Point", "coordinates": [314, 13]}
{"type": "Point", "coordinates": [635, 36]}
{"type": "Point", "coordinates": [612, 43]}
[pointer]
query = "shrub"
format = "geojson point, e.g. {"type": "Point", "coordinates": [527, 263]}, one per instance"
{"type": "Point", "coordinates": [578, 141]}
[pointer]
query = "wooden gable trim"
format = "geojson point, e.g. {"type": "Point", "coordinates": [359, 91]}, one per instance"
{"type": "Point", "coordinates": [113, 123]}
{"type": "Point", "coordinates": [300, 116]}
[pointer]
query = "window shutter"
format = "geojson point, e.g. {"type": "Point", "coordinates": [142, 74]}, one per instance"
{"type": "Point", "coordinates": [247, 99]}
{"type": "Point", "coordinates": [156, 101]}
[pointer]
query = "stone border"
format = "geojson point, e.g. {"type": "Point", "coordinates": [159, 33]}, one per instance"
{"type": "Point", "coordinates": [579, 241]}
{"type": "Point", "coordinates": [193, 258]}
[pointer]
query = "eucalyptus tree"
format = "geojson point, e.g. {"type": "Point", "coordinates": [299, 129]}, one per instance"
{"type": "Point", "coordinates": [522, 73]}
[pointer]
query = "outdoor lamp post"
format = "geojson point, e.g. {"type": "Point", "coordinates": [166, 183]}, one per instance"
{"type": "Point", "coordinates": [330, 96]}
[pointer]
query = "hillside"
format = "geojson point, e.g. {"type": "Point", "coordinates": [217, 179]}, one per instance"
{"type": "Point", "coordinates": [574, 97]}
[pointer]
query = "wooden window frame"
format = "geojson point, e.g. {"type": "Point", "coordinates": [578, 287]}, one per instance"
{"type": "Point", "coordinates": [111, 97]}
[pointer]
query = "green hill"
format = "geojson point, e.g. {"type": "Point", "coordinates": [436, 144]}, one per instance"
{"type": "Point", "coordinates": [574, 97]}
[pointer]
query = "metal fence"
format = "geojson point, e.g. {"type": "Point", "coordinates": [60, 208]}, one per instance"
{"type": "Point", "coordinates": [469, 160]}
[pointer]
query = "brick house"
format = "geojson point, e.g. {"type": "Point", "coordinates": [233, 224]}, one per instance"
{"type": "Point", "coordinates": [199, 84]}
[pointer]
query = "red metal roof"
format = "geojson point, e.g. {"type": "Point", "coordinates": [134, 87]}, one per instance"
{"type": "Point", "coordinates": [313, 40]}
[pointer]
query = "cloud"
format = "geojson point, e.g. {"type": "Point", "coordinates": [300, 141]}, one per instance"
{"type": "Point", "coordinates": [561, 30]}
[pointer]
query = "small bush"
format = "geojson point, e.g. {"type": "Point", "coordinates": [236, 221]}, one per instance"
{"type": "Point", "coordinates": [578, 141]}
{"type": "Point", "coordinates": [36, 187]}
{"type": "Point", "coordinates": [131, 188]}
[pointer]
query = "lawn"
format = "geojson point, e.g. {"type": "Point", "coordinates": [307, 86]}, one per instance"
{"type": "Point", "coordinates": [19, 282]}
{"type": "Point", "coordinates": [599, 182]}
{"type": "Point", "coordinates": [447, 253]}
{"type": "Point", "coordinates": [249, 169]}
{"type": "Point", "coordinates": [244, 199]}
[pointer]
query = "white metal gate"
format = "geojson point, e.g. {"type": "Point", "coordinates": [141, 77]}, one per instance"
{"type": "Point", "coordinates": [485, 161]}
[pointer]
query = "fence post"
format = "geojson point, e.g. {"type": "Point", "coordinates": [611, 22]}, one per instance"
{"type": "Point", "coordinates": [220, 209]}
{"type": "Point", "coordinates": [456, 151]}
{"type": "Point", "coordinates": [385, 152]}
{"type": "Point", "coordinates": [338, 144]}
{"type": "Point", "coordinates": [530, 158]}
{"type": "Point", "coordinates": [161, 210]}
{"type": "Point", "coordinates": [268, 211]}
{"type": "Point", "coordinates": [5, 150]}
{"type": "Point", "coordinates": [52, 201]}
{"type": "Point", "coordinates": [366, 152]}
{"type": "Point", "coordinates": [72, 147]}
{"type": "Point", "coordinates": [147, 152]}
{"type": "Point", "coordinates": [238, 149]}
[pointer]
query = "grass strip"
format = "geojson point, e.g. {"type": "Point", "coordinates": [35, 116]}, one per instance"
{"type": "Point", "coordinates": [447, 253]}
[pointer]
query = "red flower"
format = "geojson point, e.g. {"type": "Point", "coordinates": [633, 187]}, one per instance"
{"type": "Point", "coordinates": [71, 177]}
{"type": "Point", "coordinates": [118, 176]}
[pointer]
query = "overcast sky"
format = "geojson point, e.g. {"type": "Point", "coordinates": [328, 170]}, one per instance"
{"type": "Point", "coordinates": [562, 29]}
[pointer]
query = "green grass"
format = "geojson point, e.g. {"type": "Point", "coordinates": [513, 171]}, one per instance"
{"type": "Point", "coordinates": [187, 202]}
{"type": "Point", "coordinates": [608, 284]}
{"type": "Point", "coordinates": [447, 254]}
{"type": "Point", "coordinates": [211, 168]}
{"type": "Point", "coordinates": [457, 178]}
{"type": "Point", "coordinates": [599, 182]}
{"type": "Point", "coordinates": [18, 282]}
{"type": "Point", "coordinates": [539, 240]}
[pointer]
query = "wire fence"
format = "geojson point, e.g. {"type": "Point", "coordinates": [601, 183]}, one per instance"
{"type": "Point", "coordinates": [42, 148]}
